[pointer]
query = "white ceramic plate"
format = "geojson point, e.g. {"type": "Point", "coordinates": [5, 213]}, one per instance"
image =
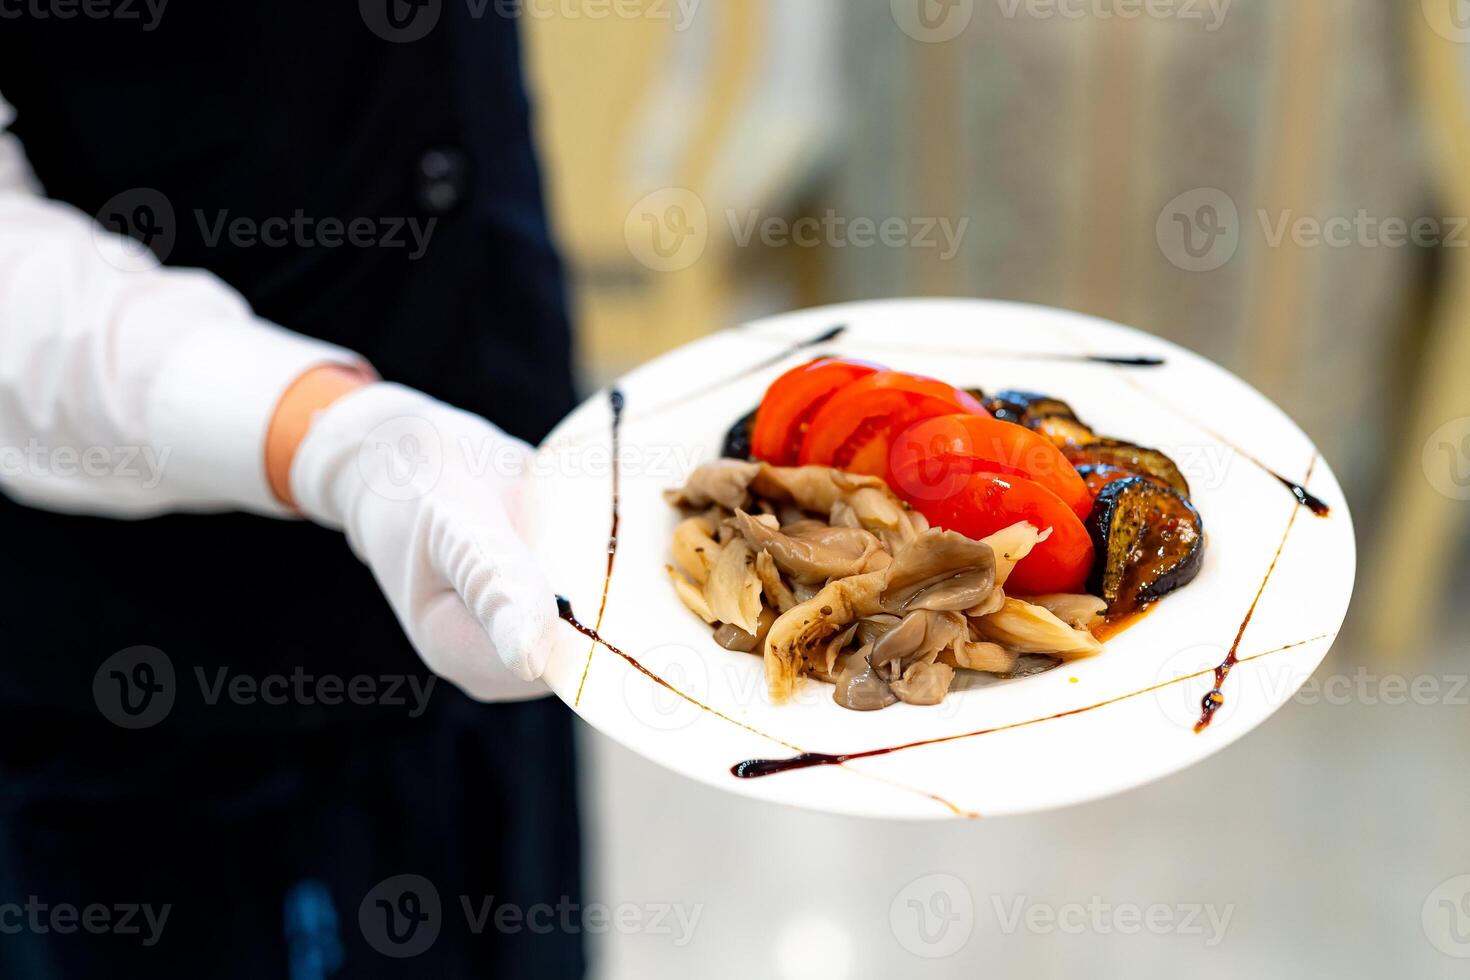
{"type": "Point", "coordinates": [1081, 731]}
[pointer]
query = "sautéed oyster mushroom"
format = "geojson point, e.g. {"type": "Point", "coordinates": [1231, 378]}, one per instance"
{"type": "Point", "coordinates": [829, 575]}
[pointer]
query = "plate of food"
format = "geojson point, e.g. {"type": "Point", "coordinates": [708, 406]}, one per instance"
{"type": "Point", "coordinates": [936, 558]}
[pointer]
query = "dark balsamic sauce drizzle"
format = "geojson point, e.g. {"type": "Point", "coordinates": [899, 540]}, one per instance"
{"type": "Point", "coordinates": [616, 402]}
{"type": "Point", "coordinates": [835, 332]}
{"type": "Point", "coordinates": [830, 334]}
{"type": "Point", "coordinates": [1304, 497]}
{"type": "Point", "coordinates": [825, 337]}
{"type": "Point", "coordinates": [1116, 360]}
{"type": "Point", "coordinates": [1125, 361]}
{"type": "Point", "coordinates": [1309, 500]}
{"type": "Point", "coordinates": [1215, 699]}
{"type": "Point", "coordinates": [756, 768]}
{"type": "Point", "coordinates": [564, 610]}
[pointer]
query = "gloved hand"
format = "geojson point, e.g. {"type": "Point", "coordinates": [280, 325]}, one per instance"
{"type": "Point", "coordinates": [433, 500]}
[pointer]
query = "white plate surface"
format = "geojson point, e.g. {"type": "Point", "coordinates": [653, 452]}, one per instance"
{"type": "Point", "coordinates": [1081, 731]}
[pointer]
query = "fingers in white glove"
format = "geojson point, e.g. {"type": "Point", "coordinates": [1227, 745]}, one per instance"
{"type": "Point", "coordinates": [502, 588]}
{"type": "Point", "coordinates": [455, 645]}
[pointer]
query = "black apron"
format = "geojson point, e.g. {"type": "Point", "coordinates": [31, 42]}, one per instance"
{"type": "Point", "coordinates": [390, 114]}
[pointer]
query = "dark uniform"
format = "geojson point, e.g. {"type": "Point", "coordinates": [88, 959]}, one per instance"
{"type": "Point", "coordinates": [268, 828]}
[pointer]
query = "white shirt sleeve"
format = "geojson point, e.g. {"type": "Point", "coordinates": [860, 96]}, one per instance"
{"type": "Point", "coordinates": [128, 389]}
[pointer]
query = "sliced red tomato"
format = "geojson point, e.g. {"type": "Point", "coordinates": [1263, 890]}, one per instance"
{"type": "Point", "coordinates": [855, 427]}
{"type": "Point", "coordinates": [990, 502]}
{"type": "Point", "coordinates": [791, 402]}
{"type": "Point", "coordinates": [937, 456]}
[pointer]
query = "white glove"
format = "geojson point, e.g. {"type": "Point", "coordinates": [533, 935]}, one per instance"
{"type": "Point", "coordinates": [433, 501]}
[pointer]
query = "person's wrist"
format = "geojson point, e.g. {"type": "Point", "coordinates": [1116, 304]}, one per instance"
{"type": "Point", "coordinates": [309, 394]}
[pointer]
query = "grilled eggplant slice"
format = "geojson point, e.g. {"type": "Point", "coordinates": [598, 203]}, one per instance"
{"type": "Point", "coordinates": [1024, 406]}
{"type": "Point", "coordinates": [1028, 405]}
{"type": "Point", "coordinates": [737, 440]}
{"type": "Point", "coordinates": [1149, 541]}
{"type": "Point", "coordinates": [1099, 475]}
{"type": "Point", "coordinates": [1004, 408]}
{"type": "Point", "coordinates": [1062, 431]}
{"type": "Point", "coordinates": [1052, 417]}
{"type": "Point", "coordinates": [1126, 456]}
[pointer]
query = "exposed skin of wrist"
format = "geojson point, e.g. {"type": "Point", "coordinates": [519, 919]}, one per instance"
{"type": "Point", "coordinates": [307, 395]}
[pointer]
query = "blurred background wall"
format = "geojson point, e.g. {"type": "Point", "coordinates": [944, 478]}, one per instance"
{"type": "Point", "coordinates": [1281, 186]}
